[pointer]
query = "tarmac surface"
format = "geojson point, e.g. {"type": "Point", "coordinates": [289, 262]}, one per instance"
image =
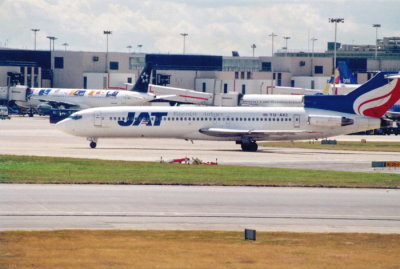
{"type": "Point", "coordinates": [35, 136]}
{"type": "Point", "coordinates": [46, 207]}
{"type": "Point", "coordinates": [39, 207]}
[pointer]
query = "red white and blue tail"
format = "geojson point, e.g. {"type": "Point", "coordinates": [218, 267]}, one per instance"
{"type": "Point", "coordinates": [371, 99]}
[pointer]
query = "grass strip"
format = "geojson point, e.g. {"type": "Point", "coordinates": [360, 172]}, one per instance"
{"type": "Point", "coordinates": [341, 145]}
{"type": "Point", "coordinates": [31, 169]}
{"type": "Point", "coordinates": [196, 249]}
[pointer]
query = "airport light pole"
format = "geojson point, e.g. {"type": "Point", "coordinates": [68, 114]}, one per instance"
{"type": "Point", "coordinates": [34, 32]}
{"type": "Point", "coordinates": [335, 21]}
{"type": "Point", "coordinates": [312, 55]}
{"type": "Point", "coordinates": [52, 39]}
{"type": "Point", "coordinates": [253, 47]}
{"type": "Point", "coordinates": [184, 41]}
{"type": "Point", "coordinates": [286, 41]}
{"type": "Point", "coordinates": [376, 26]}
{"type": "Point", "coordinates": [65, 46]}
{"type": "Point", "coordinates": [272, 35]}
{"type": "Point", "coordinates": [139, 47]}
{"type": "Point", "coordinates": [129, 48]}
{"type": "Point", "coordinates": [107, 33]}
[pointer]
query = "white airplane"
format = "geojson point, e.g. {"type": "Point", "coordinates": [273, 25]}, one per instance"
{"type": "Point", "coordinates": [321, 117]}
{"type": "Point", "coordinates": [272, 100]}
{"type": "Point", "coordinates": [186, 96]}
{"type": "Point", "coordinates": [85, 98]}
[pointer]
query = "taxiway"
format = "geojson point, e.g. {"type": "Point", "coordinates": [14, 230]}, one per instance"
{"type": "Point", "coordinates": [35, 136]}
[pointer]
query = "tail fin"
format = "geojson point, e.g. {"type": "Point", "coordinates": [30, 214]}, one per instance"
{"type": "Point", "coordinates": [142, 83]}
{"type": "Point", "coordinates": [343, 75]}
{"type": "Point", "coordinates": [371, 99]}
{"type": "Point", "coordinates": [346, 77]}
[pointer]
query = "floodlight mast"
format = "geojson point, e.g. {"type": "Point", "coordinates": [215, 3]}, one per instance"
{"type": "Point", "coordinates": [376, 26]}
{"type": "Point", "coordinates": [107, 33]}
{"type": "Point", "coordinates": [34, 32]}
{"type": "Point", "coordinates": [184, 41]}
{"type": "Point", "coordinates": [335, 21]}
{"type": "Point", "coordinates": [272, 35]}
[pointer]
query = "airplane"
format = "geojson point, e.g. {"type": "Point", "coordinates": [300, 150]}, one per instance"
{"type": "Point", "coordinates": [321, 117]}
{"type": "Point", "coordinates": [342, 82]}
{"type": "Point", "coordinates": [86, 98]}
{"type": "Point", "coordinates": [394, 112]}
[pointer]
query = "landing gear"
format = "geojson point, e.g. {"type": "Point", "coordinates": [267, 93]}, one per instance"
{"type": "Point", "coordinates": [249, 146]}
{"type": "Point", "coordinates": [93, 142]}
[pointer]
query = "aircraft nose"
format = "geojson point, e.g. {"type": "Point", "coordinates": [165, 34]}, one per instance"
{"type": "Point", "coordinates": [65, 126]}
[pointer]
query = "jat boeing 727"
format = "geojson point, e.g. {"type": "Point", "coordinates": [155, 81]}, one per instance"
{"type": "Point", "coordinates": [321, 117]}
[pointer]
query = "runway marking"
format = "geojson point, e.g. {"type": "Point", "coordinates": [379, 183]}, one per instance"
{"type": "Point", "coordinates": [350, 218]}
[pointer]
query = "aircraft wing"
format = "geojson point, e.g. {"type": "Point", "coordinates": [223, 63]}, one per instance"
{"type": "Point", "coordinates": [55, 103]}
{"type": "Point", "coordinates": [165, 97]}
{"type": "Point", "coordinates": [255, 134]}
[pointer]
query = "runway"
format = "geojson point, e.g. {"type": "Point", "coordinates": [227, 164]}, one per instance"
{"type": "Point", "coordinates": [39, 207]}
{"type": "Point", "coordinates": [35, 136]}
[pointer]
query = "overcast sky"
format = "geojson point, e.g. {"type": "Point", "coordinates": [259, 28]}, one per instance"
{"type": "Point", "coordinates": [214, 26]}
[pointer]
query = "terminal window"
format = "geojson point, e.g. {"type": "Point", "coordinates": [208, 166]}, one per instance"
{"type": "Point", "coordinates": [59, 62]}
{"type": "Point", "coordinates": [318, 69]}
{"type": "Point", "coordinates": [114, 65]}
{"type": "Point", "coordinates": [266, 66]}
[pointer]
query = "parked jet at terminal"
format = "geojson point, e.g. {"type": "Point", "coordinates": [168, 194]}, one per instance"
{"type": "Point", "coordinates": [321, 117]}
{"type": "Point", "coordinates": [84, 98]}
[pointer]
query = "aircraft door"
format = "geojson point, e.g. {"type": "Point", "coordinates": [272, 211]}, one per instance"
{"type": "Point", "coordinates": [296, 121]}
{"type": "Point", "coordinates": [98, 120]}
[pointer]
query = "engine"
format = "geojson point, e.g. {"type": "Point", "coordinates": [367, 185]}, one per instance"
{"type": "Point", "coordinates": [329, 121]}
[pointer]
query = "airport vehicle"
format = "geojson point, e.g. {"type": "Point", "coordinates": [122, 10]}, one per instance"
{"type": "Point", "coordinates": [57, 115]}
{"type": "Point", "coordinates": [321, 117]}
{"type": "Point", "coordinates": [4, 113]}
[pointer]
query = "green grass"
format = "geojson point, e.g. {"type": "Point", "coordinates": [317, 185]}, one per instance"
{"type": "Point", "coordinates": [28, 169]}
{"type": "Point", "coordinates": [342, 145]}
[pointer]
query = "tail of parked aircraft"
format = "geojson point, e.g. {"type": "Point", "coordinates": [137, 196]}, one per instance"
{"type": "Point", "coordinates": [346, 76]}
{"type": "Point", "coordinates": [372, 99]}
{"type": "Point", "coordinates": [343, 74]}
{"type": "Point", "coordinates": [142, 83]}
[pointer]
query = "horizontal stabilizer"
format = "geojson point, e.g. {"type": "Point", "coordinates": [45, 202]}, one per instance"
{"type": "Point", "coordinates": [180, 95]}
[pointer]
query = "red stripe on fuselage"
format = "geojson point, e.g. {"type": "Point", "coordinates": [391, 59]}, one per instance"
{"type": "Point", "coordinates": [194, 97]}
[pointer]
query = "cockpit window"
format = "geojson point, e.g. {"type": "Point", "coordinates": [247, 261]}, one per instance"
{"type": "Point", "coordinates": [75, 117]}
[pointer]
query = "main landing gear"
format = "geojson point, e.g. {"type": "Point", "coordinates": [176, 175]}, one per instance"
{"type": "Point", "coordinates": [250, 146]}
{"type": "Point", "coordinates": [93, 142]}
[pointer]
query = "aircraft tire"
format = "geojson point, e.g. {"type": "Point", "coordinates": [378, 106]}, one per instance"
{"type": "Point", "coordinates": [252, 147]}
{"type": "Point", "coordinates": [93, 144]}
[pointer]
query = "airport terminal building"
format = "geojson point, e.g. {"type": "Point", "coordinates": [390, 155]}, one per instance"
{"type": "Point", "coordinates": [216, 74]}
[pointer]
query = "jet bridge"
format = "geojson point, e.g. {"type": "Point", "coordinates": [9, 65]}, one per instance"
{"type": "Point", "coordinates": [14, 93]}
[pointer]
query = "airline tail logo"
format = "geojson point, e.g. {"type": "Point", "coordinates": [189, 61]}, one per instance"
{"type": "Point", "coordinates": [145, 78]}
{"type": "Point", "coordinates": [375, 103]}
{"type": "Point", "coordinates": [336, 79]}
